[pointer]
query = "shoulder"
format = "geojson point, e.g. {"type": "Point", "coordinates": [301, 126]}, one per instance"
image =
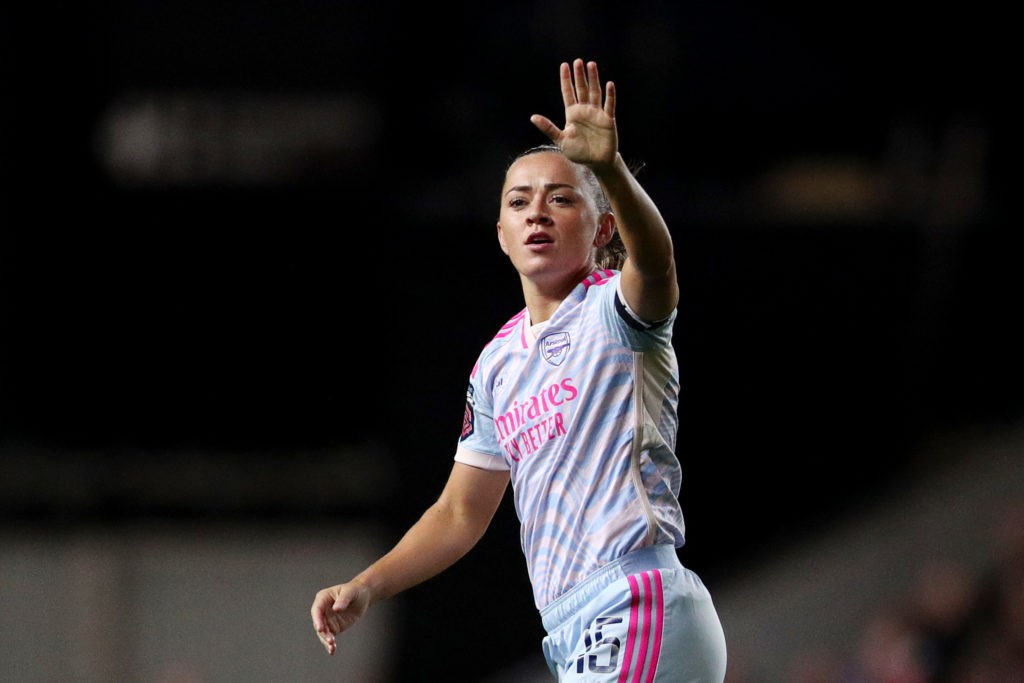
{"type": "Point", "coordinates": [510, 333]}
{"type": "Point", "coordinates": [512, 329]}
{"type": "Point", "coordinates": [599, 280]}
{"type": "Point", "coordinates": [603, 294]}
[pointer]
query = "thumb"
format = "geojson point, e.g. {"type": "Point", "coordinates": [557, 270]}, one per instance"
{"type": "Point", "coordinates": [345, 596]}
{"type": "Point", "coordinates": [546, 126]}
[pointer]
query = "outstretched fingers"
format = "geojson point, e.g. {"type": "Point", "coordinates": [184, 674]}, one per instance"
{"type": "Point", "coordinates": [609, 99]}
{"type": "Point", "coordinates": [583, 95]}
{"type": "Point", "coordinates": [568, 92]}
{"type": "Point", "coordinates": [581, 84]}
{"type": "Point", "coordinates": [593, 84]}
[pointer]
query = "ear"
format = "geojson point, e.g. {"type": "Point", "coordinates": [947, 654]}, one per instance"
{"type": "Point", "coordinates": [605, 230]}
{"type": "Point", "coordinates": [501, 239]}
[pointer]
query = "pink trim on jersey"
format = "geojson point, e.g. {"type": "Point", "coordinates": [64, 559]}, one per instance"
{"type": "Point", "coordinates": [645, 624]}
{"type": "Point", "coordinates": [598, 277]}
{"type": "Point", "coordinates": [505, 330]}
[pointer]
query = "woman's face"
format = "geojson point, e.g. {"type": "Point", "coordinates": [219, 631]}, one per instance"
{"type": "Point", "coordinates": [548, 223]}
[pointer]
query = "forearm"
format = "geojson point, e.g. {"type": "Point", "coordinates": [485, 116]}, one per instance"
{"type": "Point", "coordinates": [435, 542]}
{"type": "Point", "coordinates": [640, 223]}
{"type": "Point", "coordinates": [649, 278]}
{"type": "Point", "coordinates": [445, 532]}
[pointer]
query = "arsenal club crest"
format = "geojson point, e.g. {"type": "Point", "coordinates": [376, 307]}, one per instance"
{"type": "Point", "coordinates": [555, 347]}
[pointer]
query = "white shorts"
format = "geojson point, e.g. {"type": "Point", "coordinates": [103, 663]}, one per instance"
{"type": "Point", "coordinates": [644, 618]}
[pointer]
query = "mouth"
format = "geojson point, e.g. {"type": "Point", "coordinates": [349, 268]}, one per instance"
{"type": "Point", "coordinates": [539, 238]}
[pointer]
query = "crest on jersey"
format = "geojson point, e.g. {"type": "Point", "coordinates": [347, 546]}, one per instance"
{"type": "Point", "coordinates": [554, 347]}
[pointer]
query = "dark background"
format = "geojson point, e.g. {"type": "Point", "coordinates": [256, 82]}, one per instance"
{"type": "Point", "coordinates": [344, 302]}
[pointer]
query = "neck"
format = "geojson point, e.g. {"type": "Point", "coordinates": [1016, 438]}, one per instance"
{"type": "Point", "coordinates": [543, 298]}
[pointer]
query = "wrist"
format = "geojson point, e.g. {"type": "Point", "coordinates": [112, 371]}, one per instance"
{"type": "Point", "coordinates": [369, 589]}
{"type": "Point", "coordinates": [612, 173]}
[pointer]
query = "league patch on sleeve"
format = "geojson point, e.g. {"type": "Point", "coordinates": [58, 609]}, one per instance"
{"type": "Point", "coordinates": [468, 418]}
{"type": "Point", "coordinates": [467, 423]}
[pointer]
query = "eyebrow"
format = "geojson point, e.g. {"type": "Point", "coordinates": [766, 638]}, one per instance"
{"type": "Point", "coordinates": [547, 188]}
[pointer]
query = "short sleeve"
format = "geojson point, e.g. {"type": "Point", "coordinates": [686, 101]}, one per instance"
{"type": "Point", "coordinates": [482, 460]}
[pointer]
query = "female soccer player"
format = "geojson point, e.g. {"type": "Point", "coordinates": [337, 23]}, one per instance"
{"type": "Point", "coordinates": [574, 401]}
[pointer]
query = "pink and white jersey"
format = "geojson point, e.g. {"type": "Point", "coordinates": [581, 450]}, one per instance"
{"type": "Point", "coordinates": [584, 417]}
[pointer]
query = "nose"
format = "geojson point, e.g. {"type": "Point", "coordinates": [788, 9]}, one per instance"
{"type": "Point", "coordinates": [538, 214]}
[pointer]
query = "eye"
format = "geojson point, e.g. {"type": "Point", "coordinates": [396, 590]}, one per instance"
{"type": "Point", "coordinates": [517, 202]}
{"type": "Point", "coordinates": [561, 199]}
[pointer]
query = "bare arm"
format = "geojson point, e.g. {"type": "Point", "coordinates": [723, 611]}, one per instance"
{"type": "Point", "coordinates": [446, 532]}
{"type": "Point", "coordinates": [590, 137]}
{"type": "Point", "coordinates": [649, 281]}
